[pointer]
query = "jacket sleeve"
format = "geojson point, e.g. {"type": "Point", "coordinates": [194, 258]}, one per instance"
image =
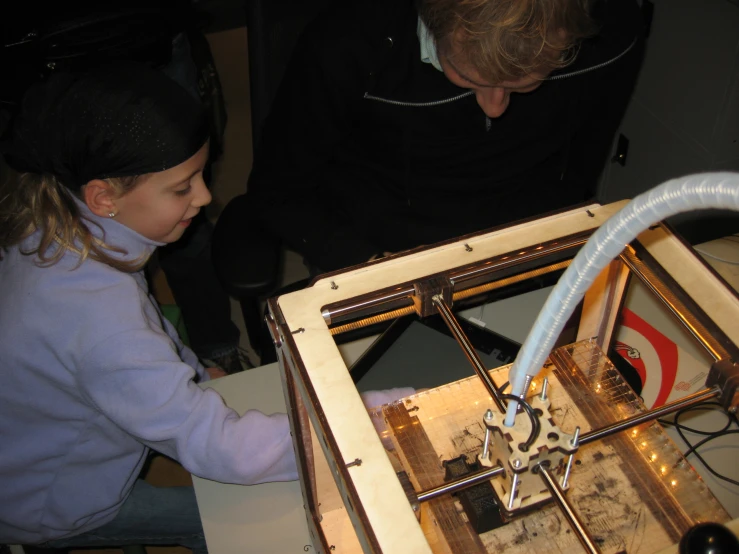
{"type": "Point", "coordinates": [137, 380]}
{"type": "Point", "coordinates": [312, 113]}
{"type": "Point", "coordinates": [186, 354]}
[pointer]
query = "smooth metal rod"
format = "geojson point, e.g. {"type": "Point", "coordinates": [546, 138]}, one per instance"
{"type": "Point", "coordinates": [654, 285]}
{"type": "Point", "coordinates": [559, 245]}
{"type": "Point", "coordinates": [469, 350]}
{"type": "Point", "coordinates": [459, 484]}
{"type": "Point", "coordinates": [345, 310]}
{"type": "Point", "coordinates": [695, 398]}
{"type": "Point", "coordinates": [512, 496]}
{"type": "Point", "coordinates": [574, 521]}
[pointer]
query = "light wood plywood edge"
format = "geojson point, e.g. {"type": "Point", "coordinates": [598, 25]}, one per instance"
{"type": "Point", "coordinates": [707, 290]}
{"type": "Point", "coordinates": [385, 504]}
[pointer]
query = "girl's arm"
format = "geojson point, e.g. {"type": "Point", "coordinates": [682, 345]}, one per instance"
{"type": "Point", "coordinates": [136, 379]}
{"type": "Point", "coordinates": [186, 354]}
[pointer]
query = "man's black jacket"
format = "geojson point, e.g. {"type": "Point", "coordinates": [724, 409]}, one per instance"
{"type": "Point", "coordinates": [362, 153]}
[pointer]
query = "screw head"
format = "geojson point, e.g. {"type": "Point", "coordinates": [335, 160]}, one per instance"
{"type": "Point", "coordinates": [489, 415]}
{"type": "Point", "coordinates": [516, 463]}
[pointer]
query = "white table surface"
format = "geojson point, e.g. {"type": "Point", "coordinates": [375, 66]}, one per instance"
{"type": "Point", "coordinates": [259, 519]}
{"type": "Point", "coordinates": [720, 453]}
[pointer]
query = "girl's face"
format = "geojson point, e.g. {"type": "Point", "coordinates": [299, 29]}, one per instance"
{"type": "Point", "coordinates": [162, 205]}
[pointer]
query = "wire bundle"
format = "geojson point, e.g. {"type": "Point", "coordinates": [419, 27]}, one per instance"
{"type": "Point", "coordinates": [709, 435]}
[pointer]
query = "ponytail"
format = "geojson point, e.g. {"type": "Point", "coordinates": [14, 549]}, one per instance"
{"type": "Point", "coordinates": [41, 203]}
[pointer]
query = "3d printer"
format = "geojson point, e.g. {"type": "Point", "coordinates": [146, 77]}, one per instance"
{"type": "Point", "coordinates": [567, 456]}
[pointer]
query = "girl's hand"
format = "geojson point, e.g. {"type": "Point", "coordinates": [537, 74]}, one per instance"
{"type": "Point", "coordinates": [215, 372]}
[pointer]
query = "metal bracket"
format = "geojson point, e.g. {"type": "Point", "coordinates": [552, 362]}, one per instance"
{"type": "Point", "coordinates": [425, 291]}
{"type": "Point", "coordinates": [725, 374]}
{"type": "Point", "coordinates": [273, 330]}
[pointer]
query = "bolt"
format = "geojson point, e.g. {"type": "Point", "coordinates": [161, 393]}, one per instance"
{"type": "Point", "coordinates": [566, 477]}
{"type": "Point", "coordinates": [516, 463]}
{"type": "Point", "coordinates": [486, 445]}
{"type": "Point", "coordinates": [487, 418]}
{"type": "Point", "coordinates": [575, 442]}
{"type": "Point", "coordinates": [514, 486]}
{"type": "Point", "coordinates": [544, 387]}
{"type": "Point", "coordinates": [526, 386]}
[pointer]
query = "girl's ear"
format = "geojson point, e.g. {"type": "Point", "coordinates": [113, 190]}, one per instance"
{"type": "Point", "coordinates": [100, 197]}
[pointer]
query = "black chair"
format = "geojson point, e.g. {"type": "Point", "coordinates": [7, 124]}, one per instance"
{"type": "Point", "coordinates": [247, 257]}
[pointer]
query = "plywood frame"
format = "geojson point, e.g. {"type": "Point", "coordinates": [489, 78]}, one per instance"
{"type": "Point", "coordinates": [327, 414]}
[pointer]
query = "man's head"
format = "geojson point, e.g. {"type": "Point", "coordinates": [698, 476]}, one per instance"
{"type": "Point", "coordinates": [497, 47]}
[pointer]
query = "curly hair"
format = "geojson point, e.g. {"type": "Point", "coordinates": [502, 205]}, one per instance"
{"type": "Point", "coordinates": [508, 39]}
{"type": "Point", "coordinates": [31, 202]}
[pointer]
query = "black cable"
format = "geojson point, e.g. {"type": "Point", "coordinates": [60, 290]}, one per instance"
{"type": "Point", "coordinates": [699, 407]}
{"type": "Point", "coordinates": [709, 435]}
{"type": "Point", "coordinates": [535, 423]}
{"type": "Point", "coordinates": [692, 450]}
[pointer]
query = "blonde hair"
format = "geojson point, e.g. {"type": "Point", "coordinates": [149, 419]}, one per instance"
{"type": "Point", "coordinates": [40, 202]}
{"type": "Point", "coordinates": [508, 39]}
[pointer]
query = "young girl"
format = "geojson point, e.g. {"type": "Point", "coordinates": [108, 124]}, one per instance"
{"type": "Point", "coordinates": [110, 167]}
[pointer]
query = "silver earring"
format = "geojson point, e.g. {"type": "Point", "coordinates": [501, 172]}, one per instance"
{"type": "Point", "coordinates": [111, 215]}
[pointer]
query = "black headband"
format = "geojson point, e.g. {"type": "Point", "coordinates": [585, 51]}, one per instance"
{"type": "Point", "coordinates": [116, 121]}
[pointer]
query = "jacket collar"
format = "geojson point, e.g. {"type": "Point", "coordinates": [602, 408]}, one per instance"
{"type": "Point", "coordinates": [137, 248]}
